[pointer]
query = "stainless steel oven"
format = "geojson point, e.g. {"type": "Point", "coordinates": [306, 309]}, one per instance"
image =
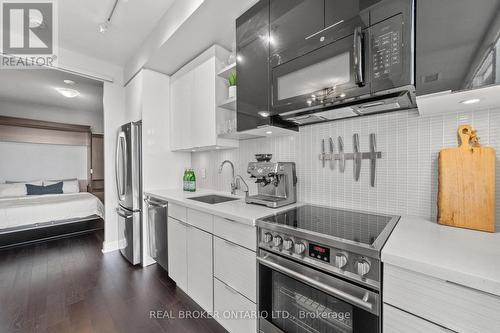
{"type": "Point", "coordinates": [319, 270]}
{"type": "Point", "coordinates": [365, 50]}
{"type": "Point", "coordinates": [297, 298]}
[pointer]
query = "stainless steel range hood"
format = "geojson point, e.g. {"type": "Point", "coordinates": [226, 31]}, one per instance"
{"type": "Point", "coordinates": [388, 101]}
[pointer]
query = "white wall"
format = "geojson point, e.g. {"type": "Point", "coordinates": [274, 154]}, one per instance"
{"type": "Point", "coordinates": [114, 106]}
{"type": "Point", "coordinates": [50, 113]}
{"type": "Point", "coordinates": [28, 161]}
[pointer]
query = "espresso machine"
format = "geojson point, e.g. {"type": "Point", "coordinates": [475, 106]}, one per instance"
{"type": "Point", "coordinates": [276, 182]}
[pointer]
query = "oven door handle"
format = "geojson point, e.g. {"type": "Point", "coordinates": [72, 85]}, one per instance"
{"type": "Point", "coordinates": [363, 302]}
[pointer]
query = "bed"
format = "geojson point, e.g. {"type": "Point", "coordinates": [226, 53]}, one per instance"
{"type": "Point", "coordinates": [34, 218]}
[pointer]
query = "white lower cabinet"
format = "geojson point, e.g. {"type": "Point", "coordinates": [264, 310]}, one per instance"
{"type": "Point", "coordinates": [217, 273]}
{"type": "Point", "coordinates": [447, 304]}
{"type": "Point", "coordinates": [190, 261]}
{"type": "Point", "coordinates": [397, 321]}
{"type": "Point", "coordinates": [199, 267]}
{"type": "Point", "coordinates": [235, 312]}
{"type": "Point", "coordinates": [177, 254]}
{"type": "Point", "coordinates": [235, 266]}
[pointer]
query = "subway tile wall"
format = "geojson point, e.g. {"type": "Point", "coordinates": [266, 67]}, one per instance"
{"type": "Point", "coordinates": [406, 175]}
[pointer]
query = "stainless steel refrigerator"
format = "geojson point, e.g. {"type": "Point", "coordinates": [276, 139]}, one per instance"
{"type": "Point", "coordinates": [129, 188]}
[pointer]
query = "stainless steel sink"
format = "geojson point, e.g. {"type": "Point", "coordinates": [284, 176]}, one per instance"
{"type": "Point", "coordinates": [213, 199]}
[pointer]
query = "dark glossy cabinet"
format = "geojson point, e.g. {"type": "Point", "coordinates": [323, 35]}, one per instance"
{"type": "Point", "coordinates": [252, 67]}
{"type": "Point", "coordinates": [457, 45]}
{"type": "Point", "coordinates": [292, 24]}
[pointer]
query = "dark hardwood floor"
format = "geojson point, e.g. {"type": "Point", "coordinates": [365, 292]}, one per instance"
{"type": "Point", "coordinates": [68, 285]}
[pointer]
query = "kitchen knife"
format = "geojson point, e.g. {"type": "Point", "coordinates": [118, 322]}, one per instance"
{"type": "Point", "coordinates": [357, 157]}
{"type": "Point", "coordinates": [341, 155]}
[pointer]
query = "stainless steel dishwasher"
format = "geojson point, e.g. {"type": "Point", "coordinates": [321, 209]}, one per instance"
{"type": "Point", "coordinates": [157, 230]}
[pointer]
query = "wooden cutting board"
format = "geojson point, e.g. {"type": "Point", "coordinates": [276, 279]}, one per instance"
{"type": "Point", "coordinates": [466, 196]}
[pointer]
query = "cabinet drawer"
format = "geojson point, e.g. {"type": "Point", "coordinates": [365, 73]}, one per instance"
{"type": "Point", "coordinates": [397, 321]}
{"type": "Point", "coordinates": [453, 306]}
{"type": "Point", "coordinates": [200, 220]}
{"type": "Point", "coordinates": [227, 300]}
{"type": "Point", "coordinates": [241, 234]}
{"type": "Point", "coordinates": [235, 266]}
{"type": "Point", "coordinates": [177, 212]}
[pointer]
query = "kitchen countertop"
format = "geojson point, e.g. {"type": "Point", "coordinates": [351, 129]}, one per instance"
{"type": "Point", "coordinates": [237, 210]}
{"type": "Point", "coordinates": [467, 257]}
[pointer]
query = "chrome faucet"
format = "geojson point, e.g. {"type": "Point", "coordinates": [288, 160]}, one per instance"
{"type": "Point", "coordinates": [236, 180]}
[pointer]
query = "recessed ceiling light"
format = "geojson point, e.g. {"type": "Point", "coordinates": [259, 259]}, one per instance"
{"type": "Point", "coordinates": [269, 132]}
{"type": "Point", "coordinates": [68, 93]}
{"type": "Point", "coordinates": [193, 150]}
{"type": "Point", "coordinates": [70, 82]}
{"type": "Point", "coordinates": [264, 114]}
{"type": "Point", "coordinates": [471, 101]}
{"type": "Point", "coordinates": [342, 95]}
{"type": "Point", "coordinates": [217, 147]}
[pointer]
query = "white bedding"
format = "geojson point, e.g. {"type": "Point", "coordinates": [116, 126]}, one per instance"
{"type": "Point", "coordinates": [26, 210]}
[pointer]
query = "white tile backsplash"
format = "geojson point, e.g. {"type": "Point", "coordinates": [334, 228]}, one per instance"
{"type": "Point", "coordinates": [406, 175]}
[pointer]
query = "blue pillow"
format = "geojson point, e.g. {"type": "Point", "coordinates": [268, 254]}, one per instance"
{"type": "Point", "coordinates": [41, 190]}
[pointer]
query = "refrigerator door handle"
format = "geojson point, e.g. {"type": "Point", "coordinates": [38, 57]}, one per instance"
{"type": "Point", "coordinates": [120, 152]}
{"type": "Point", "coordinates": [125, 164]}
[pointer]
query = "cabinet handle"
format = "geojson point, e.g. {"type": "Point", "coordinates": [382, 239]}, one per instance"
{"type": "Point", "coordinates": [231, 289]}
{"type": "Point", "coordinates": [230, 243]}
{"type": "Point", "coordinates": [471, 288]}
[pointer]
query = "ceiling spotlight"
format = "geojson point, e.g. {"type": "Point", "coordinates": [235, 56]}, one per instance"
{"type": "Point", "coordinates": [342, 95]}
{"type": "Point", "coordinates": [103, 27]}
{"type": "Point", "coordinates": [69, 82]}
{"type": "Point", "coordinates": [68, 93]}
{"type": "Point", "coordinates": [269, 132]}
{"type": "Point", "coordinates": [471, 101]}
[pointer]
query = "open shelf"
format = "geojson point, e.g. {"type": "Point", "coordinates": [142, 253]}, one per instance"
{"type": "Point", "coordinates": [238, 136]}
{"type": "Point", "coordinates": [229, 104]}
{"type": "Point", "coordinates": [224, 73]}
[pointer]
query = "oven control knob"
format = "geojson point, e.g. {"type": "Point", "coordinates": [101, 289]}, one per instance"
{"type": "Point", "coordinates": [340, 260]}
{"type": "Point", "coordinates": [299, 248]}
{"type": "Point", "coordinates": [362, 267]}
{"type": "Point", "coordinates": [287, 244]}
{"type": "Point", "coordinates": [268, 237]}
{"type": "Point", "coordinates": [277, 241]}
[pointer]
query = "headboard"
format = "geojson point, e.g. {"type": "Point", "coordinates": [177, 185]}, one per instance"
{"type": "Point", "coordinates": [44, 150]}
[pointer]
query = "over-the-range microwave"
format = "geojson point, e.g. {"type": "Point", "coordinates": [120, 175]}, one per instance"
{"type": "Point", "coordinates": [362, 63]}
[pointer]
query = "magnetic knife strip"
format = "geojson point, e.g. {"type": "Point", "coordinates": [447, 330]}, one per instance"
{"type": "Point", "coordinates": [356, 156]}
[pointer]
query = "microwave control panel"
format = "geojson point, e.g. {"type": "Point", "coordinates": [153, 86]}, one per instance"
{"type": "Point", "coordinates": [387, 48]}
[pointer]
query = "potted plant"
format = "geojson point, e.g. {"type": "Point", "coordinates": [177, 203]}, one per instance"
{"type": "Point", "coordinates": [232, 84]}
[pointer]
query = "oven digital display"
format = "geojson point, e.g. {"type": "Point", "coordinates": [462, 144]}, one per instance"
{"type": "Point", "coordinates": [319, 252]}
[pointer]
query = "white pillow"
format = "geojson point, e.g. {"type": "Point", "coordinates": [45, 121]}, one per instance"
{"type": "Point", "coordinates": [13, 190]}
{"type": "Point", "coordinates": [69, 186]}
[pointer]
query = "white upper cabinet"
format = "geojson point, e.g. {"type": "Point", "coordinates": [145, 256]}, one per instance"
{"type": "Point", "coordinates": [196, 91]}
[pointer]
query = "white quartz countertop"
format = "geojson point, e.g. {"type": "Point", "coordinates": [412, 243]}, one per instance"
{"type": "Point", "coordinates": [237, 210]}
{"type": "Point", "coordinates": [467, 257]}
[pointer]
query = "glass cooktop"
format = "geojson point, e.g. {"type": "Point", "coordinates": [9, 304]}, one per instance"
{"type": "Point", "coordinates": [345, 224]}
